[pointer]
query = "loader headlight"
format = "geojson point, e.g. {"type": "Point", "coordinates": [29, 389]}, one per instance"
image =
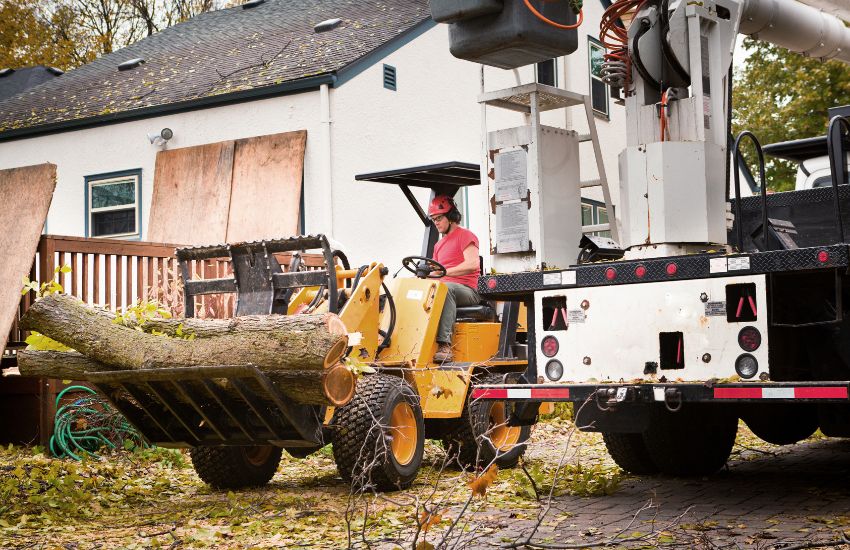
{"type": "Point", "coordinates": [554, 370]}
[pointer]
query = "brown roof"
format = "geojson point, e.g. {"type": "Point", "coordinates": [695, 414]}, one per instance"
{"type": "Point", "coordinates": [225, 55]}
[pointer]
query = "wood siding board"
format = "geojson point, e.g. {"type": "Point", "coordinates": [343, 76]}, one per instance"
{"type": "Point", "coordinates": [191, 194]}
{"type": "Point", "coordinates": [27, 192]}
{"type": "Point", "coordinates": [267, 175]}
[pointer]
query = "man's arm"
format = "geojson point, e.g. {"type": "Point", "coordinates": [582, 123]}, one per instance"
{"type": "Point", "coordinates": [469, 264]}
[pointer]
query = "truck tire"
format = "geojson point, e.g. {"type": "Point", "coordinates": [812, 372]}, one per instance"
{"type": "Point", "coordinates": [481, 436]}
{"type": "Point", "coordinates": [629, 452]}
{"type": "Point", "coordinates": [781, 424]}
{"type": "Point", "coordinates": [695, 441]}
{"type": "Point", "coordinates": [236, 467]}
{"type": "Point", "coordinates": [379, 436]}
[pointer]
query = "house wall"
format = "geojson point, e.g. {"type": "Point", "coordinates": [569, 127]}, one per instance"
{"type": "Point", "coordinates": [432, 117]}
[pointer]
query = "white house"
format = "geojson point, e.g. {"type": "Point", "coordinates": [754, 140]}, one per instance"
{"type": "Point", "coordinates": [378, 91]}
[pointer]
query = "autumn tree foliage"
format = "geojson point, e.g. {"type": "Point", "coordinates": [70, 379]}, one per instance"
{"type": "Point", "coordinates": [69, 33]}
{"type": "Point", "coordinates": [780, 95]}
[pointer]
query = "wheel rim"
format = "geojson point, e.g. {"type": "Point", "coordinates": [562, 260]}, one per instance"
{"type": "Point", "coordinates": [504, 437]}
{"type": "Point", "coordinates": [257, 456]}
{"type": "Point", "coordinates": [404, 433]}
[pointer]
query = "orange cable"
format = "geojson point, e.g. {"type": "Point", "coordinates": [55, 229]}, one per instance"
{"type": "Point", "coordinates": [554, 23]}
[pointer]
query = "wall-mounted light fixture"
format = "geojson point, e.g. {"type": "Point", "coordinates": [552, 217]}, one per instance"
{"type": "Point", "coordinates": [159, 139]}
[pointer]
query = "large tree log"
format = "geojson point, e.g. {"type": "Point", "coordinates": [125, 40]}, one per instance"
{"type": "Point", "coordinates": [333, 386]}
{"type": "Point", "coordinates": [269, 342]}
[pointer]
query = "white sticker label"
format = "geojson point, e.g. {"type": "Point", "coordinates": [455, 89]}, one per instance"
{"type": "Point", "coordinates": [568, 277]}
{"type": "Point", "coordinates": [621, 394]}
{"type": "Point", "coordinates": [736, 264]}
{"type": "Point", "coordinates": [717, 265]}
{"type": "Point", "coordinates": [576, 316]}
{"type": "Point", "coordinates": [414, 295]}
{"type": "Point", "coordinates": [658, 393]}
{"type": "Point", "coordinates": [552, 278]}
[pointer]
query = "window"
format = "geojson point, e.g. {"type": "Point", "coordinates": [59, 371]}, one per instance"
{"type": "Point", "coordinates": [594, 213]}
{"type": "Point", "coordinates": [547, 72]}
{"type": "Point", "coordinates": [112, 204]}
{"type": "Point", "coordinates": [598, 89]}
{"type": "Point", "coordinates": [389, 77]}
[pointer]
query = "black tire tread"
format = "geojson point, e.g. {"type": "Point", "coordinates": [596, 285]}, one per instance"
{"type": "Point", "coordinates": [226, 467]}
{"type": "Point", "coordinates": [461, 443]}
{"type": "Point", "coordinates": [629, 452]}
{"type": "Point", "coordinates": [692, 442]}
{"type": "Point", "coordinates": [355, 435]}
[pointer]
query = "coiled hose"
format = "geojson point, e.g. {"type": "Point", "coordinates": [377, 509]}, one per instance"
{"type": "Point", "coordinates": [88, 424]}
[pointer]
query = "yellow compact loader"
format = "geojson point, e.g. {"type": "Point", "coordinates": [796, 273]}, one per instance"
{"type": "Point", "coordinates": [237, 424]}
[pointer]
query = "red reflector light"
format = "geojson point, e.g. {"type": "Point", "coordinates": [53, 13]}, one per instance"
{"type": "Point", "coordinates": [672, 269]}
{"type": "Point", "coordinates": [640, 272]}
{"type": "Point", "coordinates": [491, 283]}
{"type": "Point", "coordinates": [550, 346]}
{"type": "Point", "coordinates": [610, 273]}
{"type": "Point", "coordinates": [749, 339]}
{"type": "Point", "coordinates": [823, 256]}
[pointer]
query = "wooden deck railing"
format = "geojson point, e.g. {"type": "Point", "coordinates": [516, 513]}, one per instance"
{"type": "Point", "coordinates": [116, 273]}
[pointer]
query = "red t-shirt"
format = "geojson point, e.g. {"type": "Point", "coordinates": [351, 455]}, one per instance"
{"type": "Point", "coordinates": [449, 252]}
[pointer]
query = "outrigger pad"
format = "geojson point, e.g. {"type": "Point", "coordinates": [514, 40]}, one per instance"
{"type": "Point", "coordinates": [27, 193]}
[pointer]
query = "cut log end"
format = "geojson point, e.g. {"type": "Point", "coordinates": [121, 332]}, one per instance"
{"type": "Point", "coordinates": [338, 385]}
{"type": "Point", "coordinates": [336, 352]}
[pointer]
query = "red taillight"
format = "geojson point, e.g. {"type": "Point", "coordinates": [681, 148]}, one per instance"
{"type": "Point", "coordinates": [672, 269]}
{"type": "Point", "coordinates": [491, 283]}
{"type": "Point", "coordinates": [610, 273]}
{"type": "Point", "coordinates": [749, 339]}
{"type": "Point", "coordinates": [823, 256]}
{"type": "Point", "coordinates": [549, 345]}
{"type": "Point", "coordinates": [640, 272]}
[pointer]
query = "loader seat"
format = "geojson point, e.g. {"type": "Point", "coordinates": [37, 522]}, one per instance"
{"type": "Point", "coordinates": [483, 312]}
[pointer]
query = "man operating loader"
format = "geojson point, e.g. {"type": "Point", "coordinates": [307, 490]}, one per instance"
{"type": "Point", "coordinates": [457, 251]}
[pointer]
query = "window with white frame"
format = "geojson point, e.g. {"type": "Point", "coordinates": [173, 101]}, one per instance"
{"type": "Point", "coordinates": [594, 213]}
{"type": "Point", "coordinates": [113, 204]}
{"type": "Point", "coordinates": [598, 89]}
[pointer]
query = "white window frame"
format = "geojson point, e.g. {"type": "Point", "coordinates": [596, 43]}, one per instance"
{"type": "Point", "coordinates": [591, 44]}
{"type": "Point", "coordinates": [96, 181]}
{"type": "Point", "coordinates": [554, 71]}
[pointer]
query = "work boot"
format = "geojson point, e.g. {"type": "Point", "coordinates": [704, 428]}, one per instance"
{"type": "Point", "coordinates": [444, 353]}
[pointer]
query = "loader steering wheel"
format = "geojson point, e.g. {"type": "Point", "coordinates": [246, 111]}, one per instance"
{"type": "Point", "coordinates": [423, 267]}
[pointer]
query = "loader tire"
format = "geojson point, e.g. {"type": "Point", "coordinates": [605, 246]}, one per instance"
{"type": "Point", "coordinates": [695, 441]}
{"type": "Point", "coordinates": [379, 436]}
{"type": "Point", "coordinates": [236, 467]}
{"type": "Point", "coordinates": [481, 436]}
{"type": "Point", "coordinates": [629, 452]}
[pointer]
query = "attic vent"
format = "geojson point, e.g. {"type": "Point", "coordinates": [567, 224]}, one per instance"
{"type": "Point", "coordinates": [130, 64]}
{"type": "Point", "coordinates": [389, 77]}
{"type": "Point", "coordinates": [55, 71]}
{"type": "Point", "coordinates": [327, 25]}
{"type": "Point", "coordinates": [6, 72]}
{"type": "Point", "coordinates": [252, 4]}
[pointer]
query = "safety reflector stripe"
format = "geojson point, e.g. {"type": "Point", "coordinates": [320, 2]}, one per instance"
{"type": "Point", "coordinates": [521, 393]}
{"type": "Point", "coordinates": [805, 392]}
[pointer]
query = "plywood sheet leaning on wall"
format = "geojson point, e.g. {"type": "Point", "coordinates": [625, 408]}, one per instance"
{"type": "Point", "coordinates": [266, 196]}
{"type": "Point", "coordinates": [191, 194]}
{"type": "Point", "coordinates": [26, 193]}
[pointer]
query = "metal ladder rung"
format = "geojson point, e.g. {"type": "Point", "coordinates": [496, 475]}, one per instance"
{"type": "Point", "coordinates": [590, 183]}
{"type": "Point", "coordinates": [596, 227]}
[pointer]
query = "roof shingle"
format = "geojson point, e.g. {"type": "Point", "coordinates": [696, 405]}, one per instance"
{"type": "Point", "coordinates": [216, 54]}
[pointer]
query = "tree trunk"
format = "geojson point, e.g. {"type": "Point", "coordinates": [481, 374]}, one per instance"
{"type": "Point", "coordinates": [333, 386]}
{"type": "Point", "coordinates": [269, 342]}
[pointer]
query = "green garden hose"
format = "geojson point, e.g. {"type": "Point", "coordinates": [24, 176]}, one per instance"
{"type": "Point", "coordinates": [89, 423]}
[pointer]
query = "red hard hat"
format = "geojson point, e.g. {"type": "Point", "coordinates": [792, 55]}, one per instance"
{"type": "Point", "coordinates": [440, 205]}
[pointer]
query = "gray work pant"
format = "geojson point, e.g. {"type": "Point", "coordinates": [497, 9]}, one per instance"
{"type": "Point", "coordinates": [458, 295]}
